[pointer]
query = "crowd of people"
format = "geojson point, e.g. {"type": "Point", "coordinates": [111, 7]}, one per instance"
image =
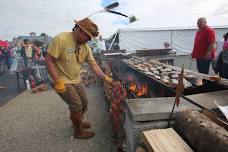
{"type": "Point", "coordinates": [6, 58]}
{"type": "Point", "coordinates": [25, 49]}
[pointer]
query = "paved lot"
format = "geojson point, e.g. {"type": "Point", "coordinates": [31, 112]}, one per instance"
{"type": "Point", "coordinates": [40, 123]}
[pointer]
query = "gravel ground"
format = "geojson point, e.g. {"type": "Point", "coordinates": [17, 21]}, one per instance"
{"type": "Point", "coordinates": [40, 123]}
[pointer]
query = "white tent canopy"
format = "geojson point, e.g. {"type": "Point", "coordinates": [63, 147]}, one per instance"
{"type": "Point", "coordinates": [170, 24]}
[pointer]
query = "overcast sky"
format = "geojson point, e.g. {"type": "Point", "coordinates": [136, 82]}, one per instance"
{"type": "Point", "coordinates": [20, 17]}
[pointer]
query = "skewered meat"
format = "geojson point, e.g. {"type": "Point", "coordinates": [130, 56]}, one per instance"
{"type": "Point", "coordinates": [164, 74]}
{"type": "Point", "coordinates": [156, 72]}
{"type": "Point", "coordinates": [165, 77]}
{"type": "Point", "coordinates": [165, 81]}
{"type": "Point", "coordinates": [161, 72]}
{"type": "Point", "coordinates": [173, 76]}
{"type": "Point", "coordinates": [186, 83]}
{"type": "Point", "coordinates": [149, 73]}
{"type": "Point", "coordinates": [157, 77]}
{"type": "Point", "coordinates": [159, 67]}
{"type": "Point", "coordinates": [166, 70]}
{"type": "Point", "coordinates": [189, 76]}
{"type": "Point", "coordinates": [146, 69]}
{"type": "Point", "coordinates": [174, 81]}
{"type": "Point", "coordinates": [152, 69]}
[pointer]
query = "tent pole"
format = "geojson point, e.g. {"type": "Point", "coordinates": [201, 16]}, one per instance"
{"type": "Point", "coordinates": [112, 41]}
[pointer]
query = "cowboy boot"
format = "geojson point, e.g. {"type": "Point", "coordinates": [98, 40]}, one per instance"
{"type": "Point", "coordinates": [84, 124]}
{"type": "Point", "coordinates": [79, 131]}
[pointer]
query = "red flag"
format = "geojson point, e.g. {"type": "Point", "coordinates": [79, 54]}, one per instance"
{"type": "Point", "coordinates": [180, 86]}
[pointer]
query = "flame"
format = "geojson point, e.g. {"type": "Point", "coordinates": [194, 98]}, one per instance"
{"type": "Point", "coordinates": [143, 89]}
{"type": "Point", "coordinates": [132, 87]}
{"type": "Point", "coordinates": [140, 89]}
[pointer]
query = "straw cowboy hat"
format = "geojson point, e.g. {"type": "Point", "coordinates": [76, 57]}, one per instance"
{"type": "Point", "coordinates": [88, 27]}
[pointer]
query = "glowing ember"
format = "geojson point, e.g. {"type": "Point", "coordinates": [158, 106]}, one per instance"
{"type": "Point", "coordinates": [133, 87]}
{"type": "Point", "coordinates": [142, 90]}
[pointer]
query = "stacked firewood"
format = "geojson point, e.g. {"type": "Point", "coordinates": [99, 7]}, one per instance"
{"type": "Point", "coordinates": [161, 72]}
{"type": "Point", "coordinates": [89, 78]}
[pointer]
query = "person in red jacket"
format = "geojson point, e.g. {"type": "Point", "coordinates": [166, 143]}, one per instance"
{"type": "Point", "coordinates": [204, 46]}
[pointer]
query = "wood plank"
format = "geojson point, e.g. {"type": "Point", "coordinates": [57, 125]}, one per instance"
{"type": "Point", "coordinates": [148, 142]}
{"type": "Point", "coordinates": [182, 144]}
{"type": "Point", "coordinates": [157, 142]}
{"type": "Point", "coordinates": [164, 140]}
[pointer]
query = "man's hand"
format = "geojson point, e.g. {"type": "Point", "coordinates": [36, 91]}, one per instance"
{"type": "Point", "coordinates": [109, 80]}
{"type": "Point", "coordinates": [208, 55]}
{"type": "Point", "coordinates": [59, 87]}
{"type": "Point", "coordinates": [212, 47]}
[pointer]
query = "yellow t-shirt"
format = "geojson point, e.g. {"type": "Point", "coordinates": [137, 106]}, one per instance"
{"type": "Point", "coordinates": [65, 50]}
{"type": "Point", "coordinates": [28, 52]}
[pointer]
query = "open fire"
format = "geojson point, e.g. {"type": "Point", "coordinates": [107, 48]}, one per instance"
{"type": "Point", "coordinates": [132, 87]}
{"type": "Point", "coordinates": [143, 90]}
{"type": "Point", "coordinates": [126, 87]}
{"type": "Point", "coordinates": [140, 90]}
{"type": "Point", "coordinates": [136, 87]}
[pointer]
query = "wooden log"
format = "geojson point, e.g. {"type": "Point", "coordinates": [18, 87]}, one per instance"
{"type": "Point", "coordinates": [200, 132]}
{"type": "Point", "coordinates": [215, 119]}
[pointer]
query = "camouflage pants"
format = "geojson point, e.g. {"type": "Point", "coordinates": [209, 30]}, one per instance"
{"type": "Point", "coordinates": [75, 97]}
